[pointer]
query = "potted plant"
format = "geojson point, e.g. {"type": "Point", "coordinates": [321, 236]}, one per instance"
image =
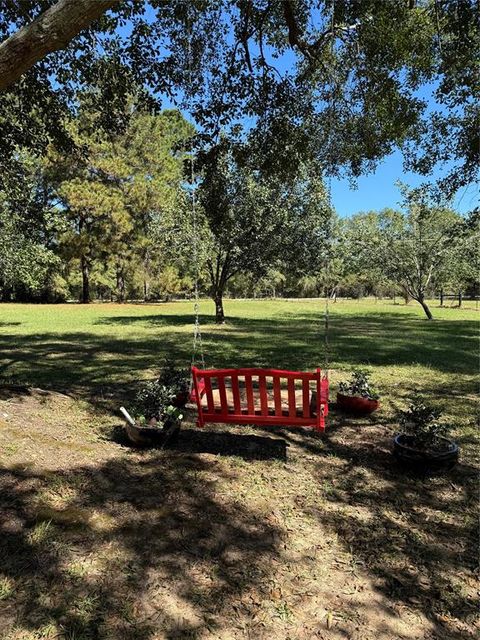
{"type": "Point", "coordinates": [154, 414]}
{"type": "Point", "coordinates": [423, 444]}
{"type": "Point", "coordinates": [357, 396]}
{"type": "Point", "coordinates": [178, 380]}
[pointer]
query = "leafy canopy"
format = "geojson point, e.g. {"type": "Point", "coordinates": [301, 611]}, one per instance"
{"type": "Point", "coordinates": [334, 81]}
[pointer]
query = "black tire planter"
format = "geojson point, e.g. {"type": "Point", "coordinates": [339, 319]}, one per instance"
{"type": "Point", "coordinates": [426, 461]}
{"type": "Point", "coordinates": [150, 436]}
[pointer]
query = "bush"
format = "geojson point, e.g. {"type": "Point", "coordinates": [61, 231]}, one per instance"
{"type": "Point", "coordinates": [152, 400]}
{"type": "Point", "coordinates": [175, 378]}
{"type": "Point", "coordinates": [359, 385]}
{"type": "Point", "coordinates": [159, 399]}
{"type": "Point", "coordinates": [422, 423]}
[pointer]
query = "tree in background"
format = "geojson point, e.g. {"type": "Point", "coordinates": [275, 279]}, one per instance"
{"type": "Point", "coordinates": [121, 195]}
{"type": "Point", "coordinates": [154, 148]}
{"type": "Point", "coordinates": [461, 272]}
{"type": "Point", "coordinates": [98, 221]}
{"type": "Point", "coordinates": [254, 220]}
{"type": "Point", "coordinates": [363, 271]}
{"type": "Point", "coordinates": [412, 247]}
{"type": "Point", "coordinates": [29, 264]}
{"type": "Point", "coordinates": [25, 263]}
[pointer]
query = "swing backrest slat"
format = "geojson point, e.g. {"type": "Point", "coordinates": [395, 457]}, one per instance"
{"type": "Point", "coordinates": [254, 396]}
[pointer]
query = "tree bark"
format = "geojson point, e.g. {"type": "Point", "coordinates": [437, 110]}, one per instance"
{"type": "Point", "coordinates": [50, 31]}
{"type": "Point", "coordinates": [428, 313]}
{"type": "Point", "coordinates": [146, 272]}
{"type": "Point", "coordinates": [219, 275]}
{"type": "Point", "coordinates": [85, 279]}
{"type": "Point", "coordinates": [219, 312]}
{"type": "Point", "coordinates": [406, 296]}
{"type": "Point", "coordinates": [120, 285]}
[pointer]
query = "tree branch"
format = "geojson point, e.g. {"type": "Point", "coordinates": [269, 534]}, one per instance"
{"type": "Point", "coordinates": [50, 31]}
{"type": "Point", "coordinates": [309, 49]}
{"type": "Point", "coordinates": [246, 34]}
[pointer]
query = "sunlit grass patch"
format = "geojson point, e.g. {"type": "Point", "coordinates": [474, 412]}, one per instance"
{"type": "Point", "coordinates": [7, 587]}
{"type": "Point", "coordinates": [41, 533]}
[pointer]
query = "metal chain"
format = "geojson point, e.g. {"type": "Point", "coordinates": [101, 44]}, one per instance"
{"type": "Point", "coordinates": [326, 345]}
{"type": "Point", "coordinates": [197, 334]}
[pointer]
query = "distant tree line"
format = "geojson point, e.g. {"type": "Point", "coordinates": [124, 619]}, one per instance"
{"type": "Point", "coordinates": [136, 215]}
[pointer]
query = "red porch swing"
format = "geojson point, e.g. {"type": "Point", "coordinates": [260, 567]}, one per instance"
{"type": "Point", "coordinates": [261, 396]}
{"type": "Point", "coordinates": [256, 395]}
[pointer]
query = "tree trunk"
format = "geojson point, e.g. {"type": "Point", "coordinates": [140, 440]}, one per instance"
{"type": "Point", "coordinates": [120, 285]}
{"type": "Point", "coordinates": [51, 31]}
{"type": "Point", "coordinates": [428, 313]}
{"type": "Point", "coordinates": [441, 297]}
{"type": "Point", "coordinates": [219, 276]}
{"type": "Point", "coordinates": [85, 280]}
{"type": "Point", "coordinates": [219, 312]}
{"type": "Point", "coordinates": [146, 275]}
{"type": "Point", "coordinates": [460, 298]}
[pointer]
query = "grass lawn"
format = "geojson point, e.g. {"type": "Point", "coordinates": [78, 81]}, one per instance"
{"type": "Point", "coordinates": [232, 532]}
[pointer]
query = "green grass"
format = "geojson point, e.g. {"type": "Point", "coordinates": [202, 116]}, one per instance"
{"type": "Point", "coordinates": [103, 348]}
{"type": "Point", "coordinates": [316, 537]}
{"type": "Point", "coordinates": [99, 352]}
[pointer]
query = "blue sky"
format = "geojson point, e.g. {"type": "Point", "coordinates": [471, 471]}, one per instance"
{"type": "Point", "coordinates": [378, 190]}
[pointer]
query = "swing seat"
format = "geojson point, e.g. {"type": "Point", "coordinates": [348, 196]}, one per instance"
{"type": "Point", "coordinates": [260, 396]}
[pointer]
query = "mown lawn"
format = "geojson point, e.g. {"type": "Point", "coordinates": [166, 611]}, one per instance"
{"type": "Point", "coordinates": [231, 532]}
{"type": "Point", "coordinates": [85, 346]}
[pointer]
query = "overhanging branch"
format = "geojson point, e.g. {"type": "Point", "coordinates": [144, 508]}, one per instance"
{"type": "Point", "coordinates": [50, 31]}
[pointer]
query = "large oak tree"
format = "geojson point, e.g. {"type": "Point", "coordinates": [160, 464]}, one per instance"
{"type": "Point", "coordinates": [334, 80]}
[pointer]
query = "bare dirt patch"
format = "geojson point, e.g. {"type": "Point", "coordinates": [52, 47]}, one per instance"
{"type": "Point", "coordinates": [228, 533]}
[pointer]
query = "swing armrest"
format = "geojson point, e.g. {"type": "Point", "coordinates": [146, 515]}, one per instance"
{"type": "Point", "coordinates": [198, 385]}
{"type": "Point", "coordinates": [323, 404]}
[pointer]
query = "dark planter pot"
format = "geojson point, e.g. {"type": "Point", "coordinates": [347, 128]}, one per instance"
{"type": "Point", "coordinates": [181, 399]}
{"type": "Point", "coordinates": [426, 461]}
{"type": "Point", "coordinates": [357, 405]}
{"type": "Point", "coordinates": [145, 436]}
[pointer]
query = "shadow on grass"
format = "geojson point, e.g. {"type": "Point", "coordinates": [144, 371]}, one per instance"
{"type": "Point", "coordinates": [248, 447]}
{"type": "Point", "coordinates": [127, 549]}
{"type": "Point", "coordinates": [135, 545]}
{"type": "Point", "coordinates": [8, 391]}
{"type": "Point", "coordinates": [156, 320]}
{"type": "Point", "coordinates": [187, 440]}
{"type": "Point", "coordinates": [82, 362]}
{"type": "Point", "coordinates": [416, 537]}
